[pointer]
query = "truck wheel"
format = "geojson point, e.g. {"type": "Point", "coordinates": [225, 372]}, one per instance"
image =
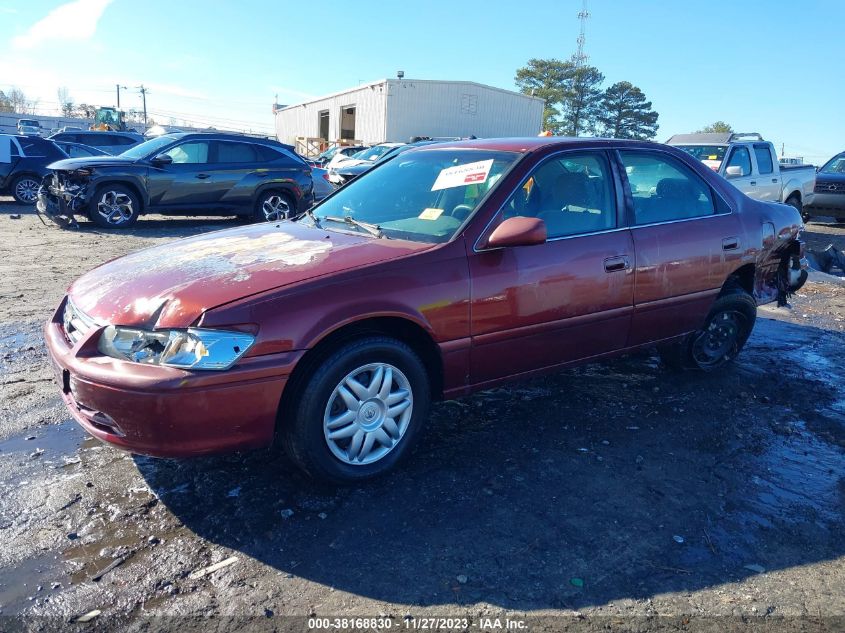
{"type": "Point", "coordinates": [723, 336]}
{"type": "Point", "coordinates": [795, 201]}
{"type": "Point", "coordinates": [360, 411]}
{"type": "Point", "coordinates": [114, 207]}
{"type": "Point", "coordinates": [25, 189]}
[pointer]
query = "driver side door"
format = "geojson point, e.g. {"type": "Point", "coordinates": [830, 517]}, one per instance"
{"type": "Point", "coordinates": [567, 299]}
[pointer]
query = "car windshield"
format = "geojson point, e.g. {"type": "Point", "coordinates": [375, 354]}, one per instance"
{"type": "Point", "coordinates": [372, 153]}
{"type": "Point", "coordinates": [835, 165]}
{"type": "Point", "coordinates": [28, 123]}
{"type": "Point", "coordinates": [423, 196]}
{"type": "Point", "coordinates": [710, 155]}
{"type": "Point", "coordinates": [148, 148]}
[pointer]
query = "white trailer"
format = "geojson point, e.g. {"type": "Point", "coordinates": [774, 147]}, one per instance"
{"type": "Point", "coordinates": [394, 110]}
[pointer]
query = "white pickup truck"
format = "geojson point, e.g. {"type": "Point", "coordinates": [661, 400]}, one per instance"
{"type": "Point", "coordinates": [751, 165]}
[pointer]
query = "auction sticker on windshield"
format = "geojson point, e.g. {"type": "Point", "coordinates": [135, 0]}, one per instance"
{"type": "Point", "coordinates": [460, 175]}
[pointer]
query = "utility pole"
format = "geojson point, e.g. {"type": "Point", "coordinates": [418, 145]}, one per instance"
{"type": "Point", "coordinates": [144, 98]}
{"type": "Point", "coordinates": [118, 86]}
{"type": "Point", "coordinates": [583, 15]}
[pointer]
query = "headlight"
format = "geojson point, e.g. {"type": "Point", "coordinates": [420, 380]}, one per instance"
{"type": "Point", "coordinates": [187, 349]}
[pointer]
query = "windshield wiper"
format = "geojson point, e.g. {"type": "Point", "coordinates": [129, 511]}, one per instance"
{"type": "Point", "coordinates": [310, 213]}
{"type": "Point", "coordinates": [372, 229]}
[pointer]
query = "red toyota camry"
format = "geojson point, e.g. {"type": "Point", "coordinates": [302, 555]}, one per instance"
{"type": "Point", "coordinates": [450, 268]}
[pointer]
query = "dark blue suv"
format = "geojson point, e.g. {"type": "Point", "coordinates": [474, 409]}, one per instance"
{"type": "Point", "coordinates": [181, 174]}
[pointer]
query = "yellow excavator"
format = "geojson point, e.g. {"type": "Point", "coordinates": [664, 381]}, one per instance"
{"type": "Point", "coordinates": [108, 120]}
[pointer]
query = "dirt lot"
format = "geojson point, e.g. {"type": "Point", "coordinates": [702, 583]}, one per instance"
{"type": "Point", "coordinates": [614, 495]}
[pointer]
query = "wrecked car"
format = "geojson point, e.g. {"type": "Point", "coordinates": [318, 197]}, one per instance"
{"type": "Point", "coordinates": [180, 174]}
{"type": "Point", "coordinates": [447, 269]}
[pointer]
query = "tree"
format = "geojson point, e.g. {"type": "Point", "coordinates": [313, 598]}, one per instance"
{"type": "Point", "coordinates": [18, 100]}
{"type": "Point", "coordinates": [65, 102]}
{"type": "Point", "coordinates": [718, 126]}
{"type": "Point", "coordinates": [85, 111]}
{"type": "Point", "coordinates": [625, 113]}
{"type": "Point", "coordinates": [582, 100]}
{"type": "Point", "coordinates": [5, 103]}
{"type": "Point", "coordinates": [547, 79]}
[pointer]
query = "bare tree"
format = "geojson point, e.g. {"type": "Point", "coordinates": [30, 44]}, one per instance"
{"type": "Point", "coordinates": [65, 102]}
{"type": "Point", "coordinates": [18, 100]}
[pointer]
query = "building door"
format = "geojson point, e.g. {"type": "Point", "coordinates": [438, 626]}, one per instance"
{"type": "Point", "coordinates": [347, 122]}
{"type": "Point", "coordinates": [323, 125]}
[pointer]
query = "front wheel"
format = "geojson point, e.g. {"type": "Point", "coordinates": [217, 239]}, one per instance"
{"type": "Point", "coordinates": [720, 341]}
{"type": "Point", "coordinates": [360, 411]}
{"type": "Point", "coordinates": [114, 207]}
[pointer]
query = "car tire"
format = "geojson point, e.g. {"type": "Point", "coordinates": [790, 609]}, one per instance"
{"type": "Point", "coordinates": [25, 189]}
{"type": "Point", "coordinates": [719, 342]}
{"type": "Point", "coordinates": [272, 206]}
{"type": "Point", "coordinates": [114, 206]}
{"type": "Point", "coordinates": [360, 411]}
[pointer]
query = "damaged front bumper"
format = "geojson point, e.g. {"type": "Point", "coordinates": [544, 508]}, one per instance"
{"type": "Point", "coordinates": [164, 411]}
{"type": "Point", "coordinates": [61, 197]}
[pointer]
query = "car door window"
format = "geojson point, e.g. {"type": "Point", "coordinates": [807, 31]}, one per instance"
{"type": "Point", "coordinates": [233, 152]}
{"type": "Point", "coordinates": [664, 190]}
{"type": "Point", "coordinates": [764, 159]}
{"type": "Point", "coordinates": [741, 158]}
{"type": "Point", "coordinates": [572, 195]}
{"type": "Point", "coordinates": [193, 152]}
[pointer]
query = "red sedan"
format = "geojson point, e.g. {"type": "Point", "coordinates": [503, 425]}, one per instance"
{"type": "Point", "coordinates": [450, 268]}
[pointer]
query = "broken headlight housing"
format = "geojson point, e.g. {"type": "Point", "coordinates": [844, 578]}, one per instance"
{"type": "Point", "coordinates": [193, 348]}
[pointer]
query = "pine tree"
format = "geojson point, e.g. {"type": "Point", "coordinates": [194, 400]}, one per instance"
{"type": "Point", "coordinates": [625, 113]}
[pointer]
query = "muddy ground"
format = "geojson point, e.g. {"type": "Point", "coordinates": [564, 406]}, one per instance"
{"type": "Point", "coordinates": [613, 495]}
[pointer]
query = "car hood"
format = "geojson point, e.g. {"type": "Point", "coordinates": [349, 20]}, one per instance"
{"type": "Point", "coordinates": [173, 284]}
{"type": "Point", "coordinates": [69, 164]}
{"type": "Point", "coordinates": [355, 170]}
{"type": "Point", "coordinates": [827, 178]}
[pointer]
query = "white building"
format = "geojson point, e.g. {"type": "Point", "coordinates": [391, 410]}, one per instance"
{"type": "Point", "coordinates": [396, 109]}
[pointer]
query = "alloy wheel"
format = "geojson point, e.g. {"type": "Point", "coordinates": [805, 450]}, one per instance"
{"type": "Point", "coordinates": [116, 207]}
{"type": "Point", "coordinates": [275, 208]}
{"type": "Point", "coordinates": [368, 413]}
{"type": "Point", "coordinates": [26, 190]}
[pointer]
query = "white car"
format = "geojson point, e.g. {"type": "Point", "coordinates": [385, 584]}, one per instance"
{"type": "Point", "coordinates": [369, 155]}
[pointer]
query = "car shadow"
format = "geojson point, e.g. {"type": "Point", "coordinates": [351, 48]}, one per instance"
{"type": "Point", "coordinates": [609, 481]}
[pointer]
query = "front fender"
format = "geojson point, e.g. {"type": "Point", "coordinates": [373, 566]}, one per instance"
{"type": "Point", "coordinates": [136, 182]}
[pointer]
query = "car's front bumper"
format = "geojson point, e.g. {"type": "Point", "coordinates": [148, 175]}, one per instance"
{"type": "Point", "coordinates": [163, 411]}
{"type": "Point", "coordinates": [828, 202]}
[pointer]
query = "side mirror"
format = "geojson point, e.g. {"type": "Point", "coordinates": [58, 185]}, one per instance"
{"type": "Point", "coordinates": [162, 159]}
{"type": "Point", "coordinates": [518, 231]}
{"type": "Point", "coordinates": [734, 171]}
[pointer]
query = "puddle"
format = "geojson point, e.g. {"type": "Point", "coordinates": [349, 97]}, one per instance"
{"type": "Point", "coordinates": [20, 583]}
{"type": "Point", "coordinates": [55, 440]}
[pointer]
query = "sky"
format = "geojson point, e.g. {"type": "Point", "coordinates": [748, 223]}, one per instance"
{"type": "Point", "coordinates": [768, 66]}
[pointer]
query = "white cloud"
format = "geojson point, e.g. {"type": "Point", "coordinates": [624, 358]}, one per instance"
{"type": "Point", "coordinates": [76, 20]}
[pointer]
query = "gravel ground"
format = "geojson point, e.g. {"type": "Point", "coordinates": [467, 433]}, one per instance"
{"type": "Point", "coordinates": [615, 494]}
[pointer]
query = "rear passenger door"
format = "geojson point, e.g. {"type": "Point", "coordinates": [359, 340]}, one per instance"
{"type": "Point", "coordinates": [237, 171]}
{"type": "Point", "coordinates": [686, 240]}
{"type": "Point", "coordinates": [768, 182]}
{"type": "Point", "coordinates": [566, 299]}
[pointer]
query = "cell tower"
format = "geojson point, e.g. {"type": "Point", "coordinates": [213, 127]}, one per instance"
{"type": "Point", "coordinates": [580, 57]}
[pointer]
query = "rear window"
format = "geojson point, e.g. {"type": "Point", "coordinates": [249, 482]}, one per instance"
{"type": "Point", "coordinates": [710, 155]}
{"type": "Point", "coordinates": [232, 152]}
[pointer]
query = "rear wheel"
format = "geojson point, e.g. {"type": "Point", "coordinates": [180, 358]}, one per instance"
{"type": "Point", "coordinates": [723, 336]}
{"type": "Point", "coordinates": [114, 207]}
{"type": "Point", "coordinates": [273, 206]}
{"type": "Point", "coordinates": [360, 411]}
{"type": "Point", "coordinates": [25, 189]}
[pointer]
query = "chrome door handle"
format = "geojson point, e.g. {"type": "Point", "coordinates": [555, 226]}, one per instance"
{"type": "Point", "coordinates": [613, 264]}
{"type": "Point", "coordinates": [730, 243]}
{"type": "Point", "coordinates": [203, 176]}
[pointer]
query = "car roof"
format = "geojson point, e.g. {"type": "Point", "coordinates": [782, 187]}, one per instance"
{"type": "Point", "coordinates": [525, 145]}
{"type": "Point", "coordinates": [223, 136]}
